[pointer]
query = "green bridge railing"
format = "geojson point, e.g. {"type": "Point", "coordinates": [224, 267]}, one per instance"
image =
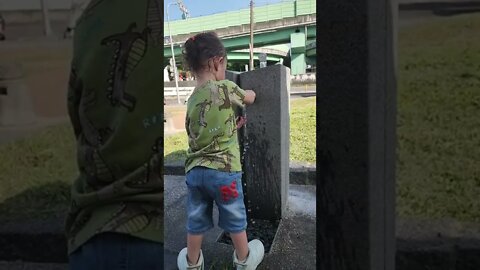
{"type": "Point", "coordinates": [234, 18]}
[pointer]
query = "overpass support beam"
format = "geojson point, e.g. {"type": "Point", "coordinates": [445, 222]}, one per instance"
{"type": "Point", "coordinates": [297, 53]}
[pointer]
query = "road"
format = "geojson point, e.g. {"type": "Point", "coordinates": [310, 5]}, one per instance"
{"type": "Point", "coordinates": [295, 92]}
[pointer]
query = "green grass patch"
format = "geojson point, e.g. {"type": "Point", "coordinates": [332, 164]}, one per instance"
{"type": "Point", "coordinates": [303, 131]}
{"type": "Point", "coordinates": [302, 134]}
{"type": "Point", "coordinates": [438, 168]}
{"type": "Point", "coordinates": [37, 172]}
{"type": "Point", "coordinates": [175, 147]}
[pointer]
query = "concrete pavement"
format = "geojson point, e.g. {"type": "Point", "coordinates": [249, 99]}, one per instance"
{"type": "Point", "coordinates": [294, 246]}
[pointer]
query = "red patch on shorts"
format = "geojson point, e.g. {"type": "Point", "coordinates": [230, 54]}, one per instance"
{"type": "Point", "coordinates": [229, 192]}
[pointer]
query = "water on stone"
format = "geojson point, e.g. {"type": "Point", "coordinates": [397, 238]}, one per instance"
{"type": "Point", "coordinates": [264, 230]}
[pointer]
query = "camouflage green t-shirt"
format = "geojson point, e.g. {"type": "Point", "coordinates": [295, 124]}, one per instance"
{"type": "Point", "coordinates": [211, 126]}
{"type": "Point", "coordinates": [115, 103]}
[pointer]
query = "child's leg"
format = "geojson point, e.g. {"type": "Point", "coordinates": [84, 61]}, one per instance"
{"type": "Point", "coordinates": [194, 244]}
{"type": "Point", "coordinates": [199, 219]}
{"type": "Point", "coordinates": [240, 243]}
{"type": "Point", "coordinates": [228, 195]}
{"type": "Point", "coordinates": [118, 251]}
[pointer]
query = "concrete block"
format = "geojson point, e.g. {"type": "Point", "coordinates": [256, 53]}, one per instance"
{"type": "Point", "coordinates": [233, 76]}
{"type": "Point", "coordinates": [266, 163]}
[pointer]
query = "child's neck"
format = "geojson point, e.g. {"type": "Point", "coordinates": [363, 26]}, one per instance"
{"type": "Point", "coordinates": [205, 77]}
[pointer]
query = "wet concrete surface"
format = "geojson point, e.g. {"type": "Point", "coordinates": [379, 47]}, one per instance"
{"type": "Point", "coordinates": [294, 246]}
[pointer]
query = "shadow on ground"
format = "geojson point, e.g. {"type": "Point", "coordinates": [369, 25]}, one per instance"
{"type": "Point", "coordinates": [30, 223]}
{"type": "Point", "coordinates": [174, 163]}
{"type": "Point", "coordinates": [449, 253]}
{"type": "Point", "coordinates": [443, 8]}
{"type": "Point", "coordinates": [453, 12]}
{"type": "Point", "coordinates": [176, 157]}
{"type": "Point", "coordinates": [37, 202]}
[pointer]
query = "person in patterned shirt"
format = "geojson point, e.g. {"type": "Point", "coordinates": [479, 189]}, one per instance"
{"type": "Point", "coordinates": [115, 220]}
{"type": "Point", "coordinates": [76, 10]}
{"type": "Point", "coordinates": [213, 168]}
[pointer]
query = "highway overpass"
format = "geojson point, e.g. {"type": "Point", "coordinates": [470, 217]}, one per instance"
{"type": "Point", "coordinates": [292, 22]}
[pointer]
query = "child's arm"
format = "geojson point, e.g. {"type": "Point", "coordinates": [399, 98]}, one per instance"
{"type": "Point", "coordinates": [249, 99]}
{"type": "Point", "coordinates": [238, 96]}
{"type": "Point", "coordinates": [241, 120]}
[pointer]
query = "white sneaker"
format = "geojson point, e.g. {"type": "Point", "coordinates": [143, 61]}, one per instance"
{"type": "Point", "coordinates": [182, 262]}
{"type": "Point", "coordinates": [255, 256]}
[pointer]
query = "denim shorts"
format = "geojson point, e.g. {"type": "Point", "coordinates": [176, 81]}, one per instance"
{"type": "Point", "coordinates": [117, 251]}
{"type": "Point", "coordinates": [207, 185]}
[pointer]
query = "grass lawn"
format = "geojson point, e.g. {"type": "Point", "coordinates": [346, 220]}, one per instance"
{"type": "Point", "coordinates": [302, 134]}
{"type": "Point", "coordinates": [438, 157]}
{"type": "Point", "coordinates": [438, 167]}
{"type": "Point", "coordinates": [37, 172]}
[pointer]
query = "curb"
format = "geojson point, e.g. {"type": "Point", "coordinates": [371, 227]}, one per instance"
{"type": "Point", "coordinates": [451, 254]}
{"type": "Point", "coordinates": [444, 244]}
{"type": "Point", "coordinates": [41, 241]}
{"type": "Point", "coordinates": [437, 5]}
{"type": "Point", "coordinates": [300, 174]}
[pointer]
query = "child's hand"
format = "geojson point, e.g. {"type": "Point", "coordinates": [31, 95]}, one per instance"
{"type": "Point", "coordinates": [241, 121]}
{"type": "Point", "coordinates": [249, 97]}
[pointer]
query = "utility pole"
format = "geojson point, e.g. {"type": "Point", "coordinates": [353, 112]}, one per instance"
{"type": "Point", "coordinates": [183, 9]}
{"type": "Point", "coordinates": [173, 54]}
{"type": "Point", "coordinates": [251, 34]}
{"type": "Point", "coordinates": [46, 18]}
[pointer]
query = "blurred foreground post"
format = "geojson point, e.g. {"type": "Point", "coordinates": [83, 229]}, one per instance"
{"type": "Point", "coordinates": [356, 103]}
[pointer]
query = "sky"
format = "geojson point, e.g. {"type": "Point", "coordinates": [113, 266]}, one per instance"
{"type": "Point", "coordinates": [206, 7]}
{"type": "Point", "coordinates": [33, 4]}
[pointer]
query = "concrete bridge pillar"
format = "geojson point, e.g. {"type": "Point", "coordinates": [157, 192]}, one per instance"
{"type": "Point", "coordinates": [297, 53]}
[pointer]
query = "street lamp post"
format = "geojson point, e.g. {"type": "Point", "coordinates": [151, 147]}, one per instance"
{"type": "Point", "coordinates": [173, 53]}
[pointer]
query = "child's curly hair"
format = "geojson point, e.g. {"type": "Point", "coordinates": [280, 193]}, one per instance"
{"type": "Point", "coordinates": [200, 48]}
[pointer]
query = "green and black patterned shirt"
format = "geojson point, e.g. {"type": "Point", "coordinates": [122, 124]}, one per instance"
{"type": "Point", "coordinates": [115, 103]}
{"type": "Point", "coordinates": [211, 126]}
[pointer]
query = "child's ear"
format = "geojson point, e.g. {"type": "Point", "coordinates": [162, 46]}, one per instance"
{"type": "Point", "coordinates": [211, 63]}
{"type": "Point", "coordinates": [222, 62]}
{"type": "Point", "coordinates": [217, 63]}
